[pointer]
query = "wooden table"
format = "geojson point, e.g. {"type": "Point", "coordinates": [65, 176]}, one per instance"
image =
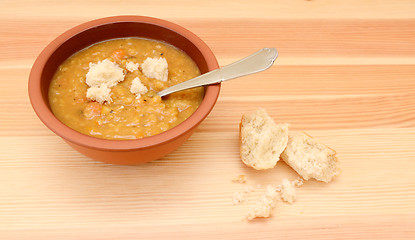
{"type": "Point", "coordinates": [345, 74]}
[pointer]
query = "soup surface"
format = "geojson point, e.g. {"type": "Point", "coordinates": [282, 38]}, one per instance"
{"type": "Point", "coordinates": [125, 113]}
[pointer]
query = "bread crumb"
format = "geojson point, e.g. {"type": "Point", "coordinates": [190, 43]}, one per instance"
{"type": "Point", "coordinates": [100, 94]}
{"type": "Point", "coordinates": [287, 191]}
{"type": "Point", "coordinates": [265, 205]}
{"type": "Point", "coordinates": [298, 182]}
{"type": "Point", "coordinates": [138, 88]}
{"type": "Point", "coordinates": [104, 72]}
{"type": "Point", "coordinates": [240, 179]}
{"type": "Point", "coordinates": [261, 140]}
{"type": "Point", "coordinates": [240, 197]}
{"type": "Point", "coordinates": [131, 66]}
{"type": "Point", "coordinates": [155, 68]}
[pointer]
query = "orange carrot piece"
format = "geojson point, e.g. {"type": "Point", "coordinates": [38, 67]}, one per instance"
{"type": "Point", "coordinates": [92, 110]}
{"type": "Point", "coordinates": [119, 54]}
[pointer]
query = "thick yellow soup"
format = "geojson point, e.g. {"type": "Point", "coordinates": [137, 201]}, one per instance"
{"type": "Point", "coordinates": [108, 90]}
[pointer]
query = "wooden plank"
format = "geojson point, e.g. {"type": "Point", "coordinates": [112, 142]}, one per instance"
{"type": "Point", "coordinates": [82, 193]}
{"type": "Point", "coordinates": [293, 38]}
{"type": "Point", "coordinates": [380, 226]}
{"type": "Point", "coordinates": [308, 97]}
{"type": "Point", "coordinates": [233, 9]}
{"type": "Point", "coordinates": [345, 74]}
{"type": "Point", "coordinates": [284, 81]}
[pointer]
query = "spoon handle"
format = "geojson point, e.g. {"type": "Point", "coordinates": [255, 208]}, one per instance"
{"type": "Point", "coordinates": [257, 62]}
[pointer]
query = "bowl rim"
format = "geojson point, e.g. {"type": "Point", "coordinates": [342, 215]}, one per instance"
{"type": "Point", "coordinates": [48, 118]}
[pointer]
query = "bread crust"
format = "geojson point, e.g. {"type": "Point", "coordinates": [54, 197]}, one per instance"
{"type": "Point", "coordinates": [323, 167]}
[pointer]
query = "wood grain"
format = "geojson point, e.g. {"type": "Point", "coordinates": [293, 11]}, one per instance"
{"type": "Point", "coordinates": [232, 9]}
{"type": "Point", "coordinates": [345, 74]}
{"type": "Point", "coordinates": [299, 39]}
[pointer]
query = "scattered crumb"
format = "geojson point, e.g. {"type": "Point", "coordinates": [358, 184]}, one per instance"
{"type": "Point", "coordinates": [298, 182]}
{"type": "Point", "coordinates": [240, 179]}
{"type": "Point", "coordinates": [240, 197]}
{"type": "Point", "coordinates": [265, 205]}
{"type": "Point", "coordinates": [287, 191]}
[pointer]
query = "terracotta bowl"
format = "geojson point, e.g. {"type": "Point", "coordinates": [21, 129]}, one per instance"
{"type": "Point", "coordinates": [127, 152]}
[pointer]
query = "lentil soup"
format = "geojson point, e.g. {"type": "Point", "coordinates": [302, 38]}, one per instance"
{"type": "Point", "coordinates": [125, 112]}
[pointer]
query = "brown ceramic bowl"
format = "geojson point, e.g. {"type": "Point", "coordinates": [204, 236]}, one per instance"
{"type": "Point", "coordinates": [127, 152]}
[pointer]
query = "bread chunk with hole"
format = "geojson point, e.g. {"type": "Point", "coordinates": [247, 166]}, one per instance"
{"type": "Point", "coordinates": [310, 158]}
{"type": "Point", "coordinates": [261, 140]}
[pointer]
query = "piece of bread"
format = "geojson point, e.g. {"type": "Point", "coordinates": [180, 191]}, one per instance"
{"type": "Point", "coordinates": [261, 140]}
{"type": "Point", "coordinates": [263, 208]}
{"type": "Point", "coordinates": [100, 94]}
{"type": "Point", "coordinates": [311, 159]}
{"type": "Point", "coordinates": [104, 72]}
{"type": "Point", "coordinates": [138, 88]}
{"type": "Point", "coordinates": [156, 68]}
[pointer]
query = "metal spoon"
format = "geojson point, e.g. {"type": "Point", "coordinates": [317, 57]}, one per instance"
{"type": "Point", "coordinates": [257, 62]}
